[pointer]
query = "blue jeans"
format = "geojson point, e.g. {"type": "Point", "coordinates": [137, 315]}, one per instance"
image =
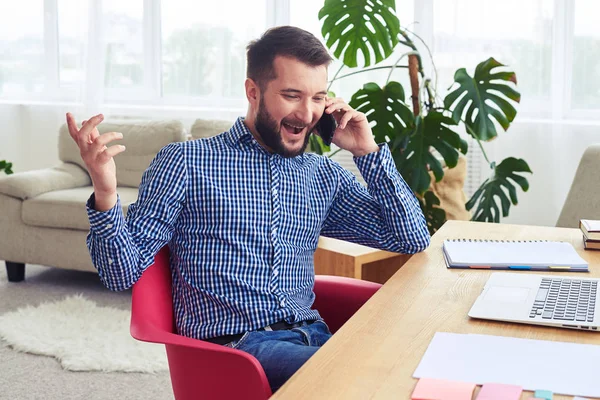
{"type": "Point", "coordinates": [282, 353]}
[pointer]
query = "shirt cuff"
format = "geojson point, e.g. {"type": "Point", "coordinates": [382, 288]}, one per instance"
{"type": "Point", "coordinates": [105, 224]}
{"type": "Point", "coordinates": [377, 165]}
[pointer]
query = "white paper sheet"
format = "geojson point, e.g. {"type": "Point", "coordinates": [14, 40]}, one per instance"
{"type": "Point", "coordinates": [563, 368]}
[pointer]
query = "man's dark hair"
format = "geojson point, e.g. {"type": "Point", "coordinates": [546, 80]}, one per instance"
{"type": "Point", "coordinates": [288, 41]}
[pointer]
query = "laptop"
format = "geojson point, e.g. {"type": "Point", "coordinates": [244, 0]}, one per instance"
{"type": "Point", "coordinates": [559, 301]}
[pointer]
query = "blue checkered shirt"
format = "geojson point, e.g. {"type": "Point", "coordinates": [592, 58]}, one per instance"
{"type": "Point", "coordinates": [242, 226]}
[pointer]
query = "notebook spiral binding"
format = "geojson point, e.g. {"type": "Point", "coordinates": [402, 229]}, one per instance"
{"type": "Point", "coordinates": [497, 241]}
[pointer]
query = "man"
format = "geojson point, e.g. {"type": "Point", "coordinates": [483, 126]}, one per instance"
{"type": "Point", "coordinates": [242, 211]}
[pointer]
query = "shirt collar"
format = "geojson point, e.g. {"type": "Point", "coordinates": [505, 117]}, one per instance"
{"type": "Point", "coordinates": [241, 136]}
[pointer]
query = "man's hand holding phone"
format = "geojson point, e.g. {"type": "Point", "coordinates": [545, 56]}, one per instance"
{"type": "Point", "coordinates": [98, 158]}
{"type": "Point", "coordinates": [352, 133]}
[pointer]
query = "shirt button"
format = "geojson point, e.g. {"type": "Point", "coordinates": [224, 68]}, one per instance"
{"type": "Point", "coordinates": [110, 261]}
{"type": "Point", "coordinates": [373, 166]}
{"type": "Point", "coordinates": [109, 226]}
{"type": "Point", "coordinates": [276, 272]}
{"type": "Point", "coordinates": [275, 192]}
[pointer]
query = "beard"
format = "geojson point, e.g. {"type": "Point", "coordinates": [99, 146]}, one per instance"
{"type": "Point", "coordinates": [270, 132]}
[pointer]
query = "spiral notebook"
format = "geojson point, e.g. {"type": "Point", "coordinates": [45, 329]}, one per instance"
{"type": "Point", "coordinates": [538, 255]}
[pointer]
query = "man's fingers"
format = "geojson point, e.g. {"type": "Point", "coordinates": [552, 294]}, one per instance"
{"type": "Point", "coordinates": [106, 138]}
{"type": "Point", "coordinates": [339, 107]}
{"type": "Point", "coordinates": [345, 119]}
{"type": "Point", "coordinates": [72, 126]}
{"type": "Point", "coordinates": [112, 151]}
{"type": "Point", "coordinates": [86, 130]}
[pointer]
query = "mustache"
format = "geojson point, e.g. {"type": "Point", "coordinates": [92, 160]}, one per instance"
{"type": "Point", "coordinates": [296, 123]}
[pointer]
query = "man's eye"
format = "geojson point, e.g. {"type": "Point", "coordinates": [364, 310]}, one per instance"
{"type": "Point", "coordinates": [289, 96]}
{"type": "Point", "coordinates": [319, 98]}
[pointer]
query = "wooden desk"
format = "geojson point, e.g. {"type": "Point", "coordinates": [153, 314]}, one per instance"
{"type": "Point", "coordinates": [340, 258]}
{"type": "Point", "coordinates": [374, 355]}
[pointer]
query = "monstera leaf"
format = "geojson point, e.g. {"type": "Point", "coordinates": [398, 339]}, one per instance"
{"type": "Point", "coordinates": [434, 215]}
{"type": "Point", "coordinates": [480, 94]}
{"type": "Point", "coordinates": [360, 25]}
{"type": "Point", "coordinates": [492, 188]}
{"type": "Point", "coordinates": [384, 106]}
{"type": "Point", "coordinates": [415, 161]}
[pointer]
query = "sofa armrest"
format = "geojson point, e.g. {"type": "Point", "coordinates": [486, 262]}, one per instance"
{"type": "Point", "coordinates": [25, 185]}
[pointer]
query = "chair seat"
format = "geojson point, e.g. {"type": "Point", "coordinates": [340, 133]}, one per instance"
{"type": "Point", "coordinates": [66, 208]}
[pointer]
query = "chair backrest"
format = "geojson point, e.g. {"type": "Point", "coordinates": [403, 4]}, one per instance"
{"type": "Point", "coordinates": [152, 304]}
{"type": "Point", "coordinates": [583, 200]}
{"type": "Point", "coordinates": [143, 141]}
{"type": "Point", "coordinates": [198, 369]}
{"type": "Point", "coordinates": [338, 298]}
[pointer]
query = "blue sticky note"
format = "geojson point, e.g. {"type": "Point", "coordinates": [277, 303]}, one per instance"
{"type": "Point", "coordinates": [543, 394]}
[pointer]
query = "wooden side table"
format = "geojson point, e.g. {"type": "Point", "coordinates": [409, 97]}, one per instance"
{"type": "Point", "coordinates": [341, 258]}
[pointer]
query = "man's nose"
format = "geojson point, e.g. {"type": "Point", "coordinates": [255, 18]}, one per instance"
{"type": "Point", "coordinates": [305, 113]}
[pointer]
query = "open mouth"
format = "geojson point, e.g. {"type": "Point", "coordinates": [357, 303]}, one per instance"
{"type": "Point", "coordinates": [293, 129]}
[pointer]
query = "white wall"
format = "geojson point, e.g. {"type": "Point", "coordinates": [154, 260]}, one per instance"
{"type": "Point", "coordinates": [28, 137]}
{"type": "Point", "coordinates": [553, 151]}
{"type": "Point", "coordinates": [11, 135]}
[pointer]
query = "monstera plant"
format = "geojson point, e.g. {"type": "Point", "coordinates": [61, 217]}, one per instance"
{"type": "Point", "coordinates": [420, 130]}
{"type": "Point", "coordinates": [6, 167]}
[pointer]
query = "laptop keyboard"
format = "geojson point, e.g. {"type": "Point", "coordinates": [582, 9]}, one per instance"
{"type": "Point", "coordinates": [566, 299]}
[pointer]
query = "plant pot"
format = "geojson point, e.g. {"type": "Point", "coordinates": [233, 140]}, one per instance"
{"type": "Point", "coordinates": [450, 190]}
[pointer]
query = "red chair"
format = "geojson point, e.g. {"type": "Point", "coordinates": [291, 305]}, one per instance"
{"type": "Point", "coordinates": [205, 370]}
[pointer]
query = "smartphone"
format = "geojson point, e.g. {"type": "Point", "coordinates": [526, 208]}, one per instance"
{"type": "Point", "coordinates": [326, 128]}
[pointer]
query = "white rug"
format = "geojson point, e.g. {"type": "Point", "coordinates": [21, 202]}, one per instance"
{"type": "Point", "coordinates": [82, 336]}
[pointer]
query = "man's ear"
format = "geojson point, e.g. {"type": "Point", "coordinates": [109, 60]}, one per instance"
{"type": "Point", "coordinates": [252, 92]}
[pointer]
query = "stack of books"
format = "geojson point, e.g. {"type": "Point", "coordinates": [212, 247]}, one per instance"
{"type": "Point", "coordinates": [591, 233]}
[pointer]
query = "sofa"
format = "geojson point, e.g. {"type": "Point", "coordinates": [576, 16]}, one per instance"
{"type": "Point", "coordinates": [43, 216]}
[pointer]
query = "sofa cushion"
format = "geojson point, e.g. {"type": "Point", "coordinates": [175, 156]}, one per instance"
{"type": "Point", "coordinates": [143, 141]}
{"type": "Point", "coordinates": [66, 208]}
{"type": "Point", "coordinates": [205, 128]}
{"type": "Point", "coordinates": [26, 185]}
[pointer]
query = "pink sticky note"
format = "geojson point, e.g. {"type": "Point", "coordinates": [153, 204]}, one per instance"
{"type": "Point", "coordinates": [499, 391]}
{"type": "Point", "coordinates": [440, 389]}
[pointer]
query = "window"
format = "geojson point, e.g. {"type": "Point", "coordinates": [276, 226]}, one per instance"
{"type": "Point", "coordinates": [585, 89]}
{"type": "Point", "coordinates": [191, 53]}
{"type": "Point", "coordinates": [204, 48]}
{"type": "Point", "coordinates": [72, 40]}
{"type": "Point", "coordinates": [123, 50]}
{"type": "Point", "coordinates": [517, 33]}
{"type": "Point", "coordinates": [22, 56]}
